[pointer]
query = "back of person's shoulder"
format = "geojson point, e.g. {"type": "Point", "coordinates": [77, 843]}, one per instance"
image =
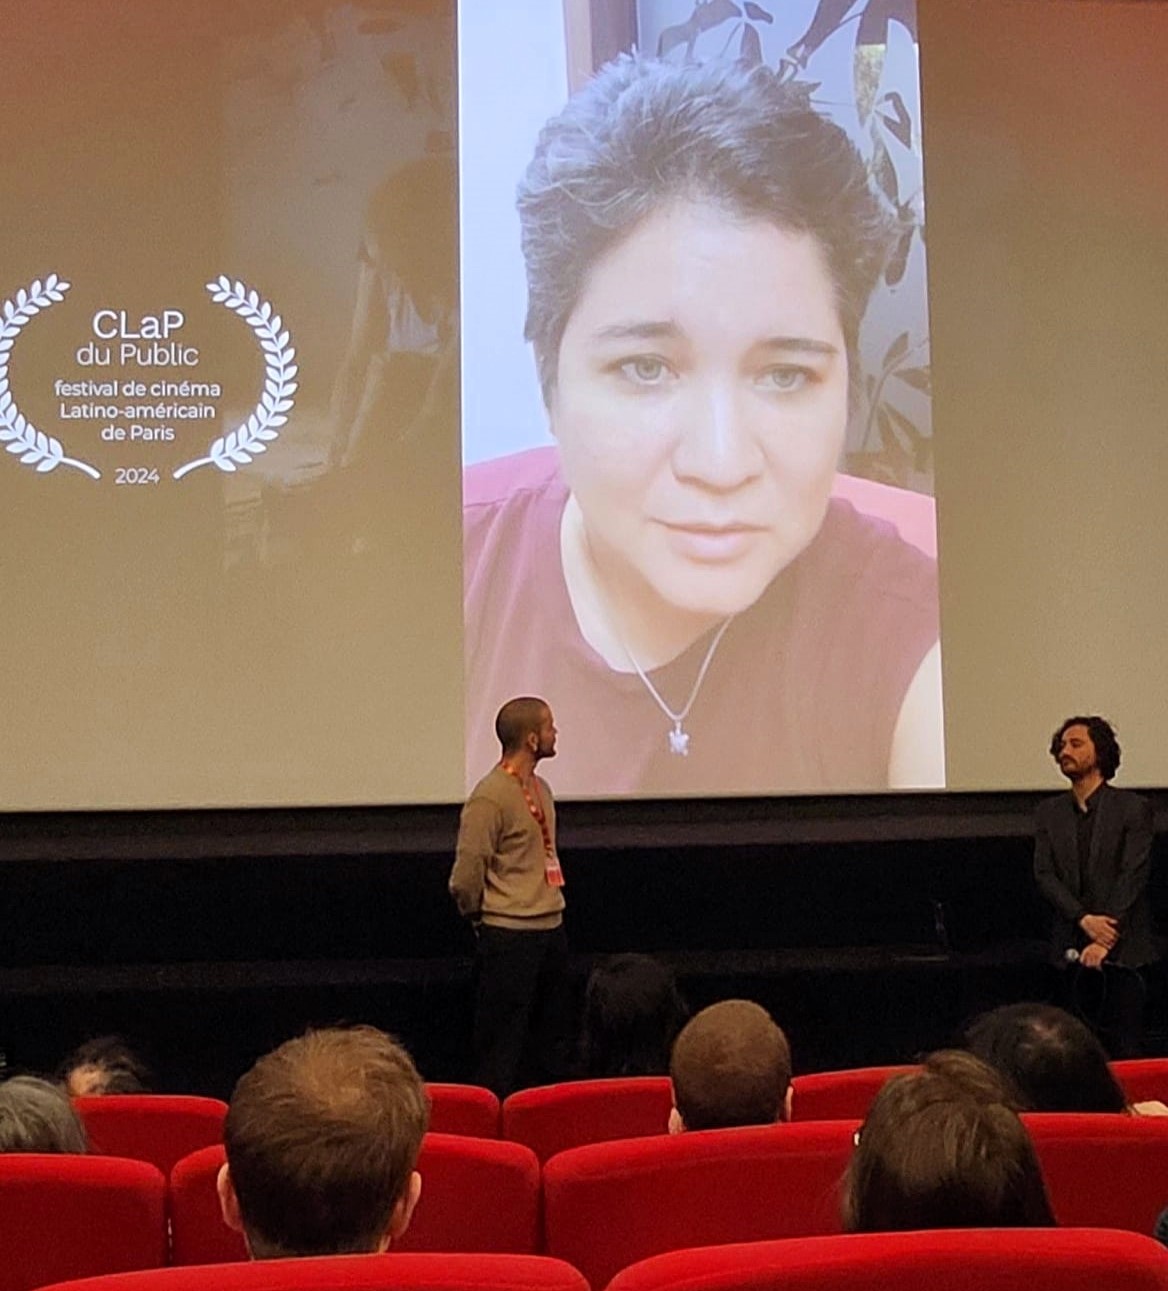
{"type": "Point", "coordinates": [867, 551]}
{"type": "Point", "coordinates": [1052, 805]}
{"type": "Point", "coordinates": [1134, 804]}
{"type": "Point", "coordinates": [488, 788]}
{"type": "Point", "coordinates": [497, 480]}
{"type": "Point", "coordinates": [511, 509]}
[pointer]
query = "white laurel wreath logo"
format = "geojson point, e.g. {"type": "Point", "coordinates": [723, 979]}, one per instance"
{"type": "Point", "coordinates": [18, 435]}
{"type": "Point", "coordinates": [231, 451]}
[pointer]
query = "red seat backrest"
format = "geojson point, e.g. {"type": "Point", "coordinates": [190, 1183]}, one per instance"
{"type": "Point", "coordinates": [198, 1234]}
{"type": "Point", "coordinates": [554, 1118]}
{"type": "Point", "coordinates": [611, 1204]}
{"type": "Point", "coordinates": [1142, 1079]}
{"type": "Point", "coordinates": [839, 1095]}
{"type": "Point", "coordinates": [1036, 1259]}
{"type": "Point", "coordinates": [159, 1128]}
{"type": "Point", "coordinates": [77, 1216]}
{"type": "Point", "coordinates": [390, 1272]}
{"type": "Point", "coordinates": [477, 1195]}
{"type": "Point", "coordinates": [1101, 1170]}
{"type": "Point", "coordinates": [463, 1109]}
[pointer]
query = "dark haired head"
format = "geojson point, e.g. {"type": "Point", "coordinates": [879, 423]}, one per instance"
{"type": "Point", "coordinates": [517, 719]}
{"type": "Point", "coordinates": [632, 1014]}
{"type": "Point", "coordinates": [1053, 1061]}
{"type": "Point", "coordinates": [642, 134]}
{"type": "Point", "coordinates": [1102, 735]}
{"type": "Point", "coordinates": [936, 1152]}
{"type": "Point", "coordinates": [105, 1065]}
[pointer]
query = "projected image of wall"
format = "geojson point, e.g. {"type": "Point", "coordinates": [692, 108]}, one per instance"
{"type": "Point", "coordinates": [229, 400]}
{"type": "Point", "coordinates": [697, 503]}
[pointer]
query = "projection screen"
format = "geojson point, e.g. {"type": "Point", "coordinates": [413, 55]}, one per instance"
{"type": "Point", "coordinates": [776, 389]}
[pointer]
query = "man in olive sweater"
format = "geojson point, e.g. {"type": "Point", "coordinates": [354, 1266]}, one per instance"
{"type": "Point", "coordinates": [507, 881]}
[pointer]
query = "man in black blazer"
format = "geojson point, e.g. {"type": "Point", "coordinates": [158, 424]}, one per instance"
{"type": "Point", "coordinates": [1092, 857]}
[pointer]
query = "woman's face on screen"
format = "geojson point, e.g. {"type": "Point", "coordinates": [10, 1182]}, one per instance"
{"type": "Point", "coordinates": [700, 405]}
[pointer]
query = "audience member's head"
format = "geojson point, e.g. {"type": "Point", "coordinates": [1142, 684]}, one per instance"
{"type": "Point", "coordinates": [36, 1116]}
{"type": "Point", "coordinates": [632, 1014]}
{"type": "Point", "coordinates": [1053, 1062]}
{"type": "Point", "coordinates": [322, 1136]}
{"type": "Point", "coordinates": [105, 1065]}
{"type": "Point", "coordinates": [968, 1074]}
{"type": "Point", "coordinates": [731, 1065]}
{"type": "Point", "coordinates": [942, 1148]}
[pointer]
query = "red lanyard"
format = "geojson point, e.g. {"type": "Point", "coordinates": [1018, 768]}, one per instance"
{"type": "Point", "coordinates": [552, 871]}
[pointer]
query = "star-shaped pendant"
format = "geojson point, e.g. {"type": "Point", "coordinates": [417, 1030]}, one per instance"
{"type": "Point", "coordinates": [679, 741]}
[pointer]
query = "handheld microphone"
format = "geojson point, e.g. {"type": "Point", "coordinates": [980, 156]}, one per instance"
{"type": "Point", "coordinates": [1073, 956]}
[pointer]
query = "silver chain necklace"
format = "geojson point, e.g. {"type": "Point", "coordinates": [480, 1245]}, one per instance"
{"type": "Point", "coordinates": [678, 735]}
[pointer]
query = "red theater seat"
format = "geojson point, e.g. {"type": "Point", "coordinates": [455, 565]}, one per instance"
{"type": "Point", "coordinates": [159, 1128]}
{"type": "Point", "coordinates": [839, 1095]}
{"type": "Point", "coordinates": [198, 1234]}
{"type": "Point", "coordinates": [463, 1109]}
{"type": "Point", "coordinates": [1039, 1259]}
{"type": "Point", "coordinates": [391, 1272]}
{"type": "Point", "coordinates": [1142, 1079]}
{"type": "Point", "coordinates": [1103, 1171]}
{"type": "Point", "coordinates": [77, 1216]}
{"type": "Point", "coordinates": [555, 1118]}
{"type": "Point", "coordinates": [477, 1195]}
{"type": "Point", "coordinates": [609, 1205]}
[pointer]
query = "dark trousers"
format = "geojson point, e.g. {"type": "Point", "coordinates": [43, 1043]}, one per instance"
{"type": "Point", "coordinates": [1111, 1001]}
{"type": "Point", "coordinates": [522, 1029]}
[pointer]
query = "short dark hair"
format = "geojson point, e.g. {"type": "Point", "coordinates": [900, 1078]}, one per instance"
{"type": "Point", "coordinates": [643, 133]}
{"type": "Point", "coordinates": [632, 1014]}
{"type": "Point", "coordinates": [322, 1135]}
{"type": "Point", "coordinates": [1052, 1060]}
{"type": "Point", "coordinates": [731, 1065]}
{"type": "Point", "coordinates": [516, 720]}
{"type": "Point", "coordinates": [1102, 736]}
{"type": "Point", "coordinates": [115, 1067]}
{"type": "Point", "coordinates": [939, 1153]}
{"type": "Point", "coordinates": [36, 1116]}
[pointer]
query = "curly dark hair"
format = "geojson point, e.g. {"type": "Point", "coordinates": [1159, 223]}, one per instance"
{"type": "Point", "coordinates": [643, 133]}
{"type": "Point", "coordinates": [1102, 736]}
{"type": "Point", "coordinates": [107, 1065]}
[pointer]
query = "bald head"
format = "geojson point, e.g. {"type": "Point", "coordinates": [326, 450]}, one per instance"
{"type": "Point", "coordinates": [517, 719]}
{"type": "Point", "coordinates": [731, 1065]}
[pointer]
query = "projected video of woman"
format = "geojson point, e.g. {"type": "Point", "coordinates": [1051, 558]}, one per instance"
{"type": "Point", "coordinates": [682, 574]}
